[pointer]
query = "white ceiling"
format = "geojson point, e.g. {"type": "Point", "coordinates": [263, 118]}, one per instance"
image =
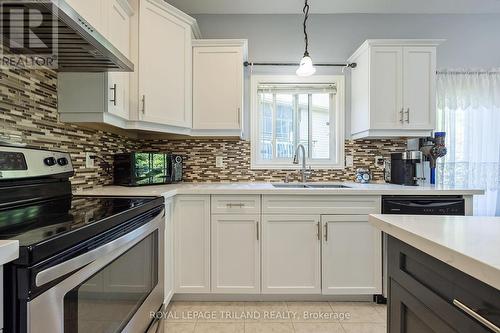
{"type": "Point", "coordinates": [337, 6]}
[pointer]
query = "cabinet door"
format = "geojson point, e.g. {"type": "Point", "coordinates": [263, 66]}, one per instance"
{"type": "Point", "coordinates": [419, 97]}
{"type": "Point", "coordinates": [119, 35]}
{"type": "Point", "coordinates": [169, 251]}
{"type": "Point", "coordinates": [352, 256]}
{"type": "Point", "coordinates": [407, 314]}
{"type": "Point", "coordinates": [192, 243]}
{"type": "Point", "coordinates": [92, 11]}
{"type": "Point", "coordinates": [386, 82]}
{"type": "Point", "coordinates": [236, 254]}
{"type": "Point", "coordinates": [217, 87]}
{"type": "Point", "coordinates": [291, 254]}
{"type": "Point", "coordinates": [165, 66]}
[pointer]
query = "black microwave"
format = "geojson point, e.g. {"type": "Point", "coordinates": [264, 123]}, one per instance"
{"type": "Point", "coordinates": [147, 168]}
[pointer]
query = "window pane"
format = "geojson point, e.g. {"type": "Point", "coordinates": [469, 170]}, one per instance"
{"type": "Point", "coordinates": [303, 119]}
{"type": "Point", "coordinates": [285, 138]}
{"type": "Point", "coordinates": [320, 127]}
{"type": "Point", "coordinates": [266, 126]}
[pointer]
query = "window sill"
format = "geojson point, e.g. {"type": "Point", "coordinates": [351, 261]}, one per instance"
{"type": "Point", "coordinates": [293, 167]}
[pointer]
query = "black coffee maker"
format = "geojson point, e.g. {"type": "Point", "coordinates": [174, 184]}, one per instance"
{"type": "Point", "coordinates": [404, 167]}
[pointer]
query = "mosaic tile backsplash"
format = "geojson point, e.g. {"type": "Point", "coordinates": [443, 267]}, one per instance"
{"type": "Point", "coordinates": [200, 160]}
{"type": "Point", "coordinates": [28, 114]}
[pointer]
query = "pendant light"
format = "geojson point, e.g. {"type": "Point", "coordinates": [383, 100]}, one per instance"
{"type": "Point", "coordinates": [306, 67]}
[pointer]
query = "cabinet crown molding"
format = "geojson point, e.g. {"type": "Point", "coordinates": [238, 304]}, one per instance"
{"type": "Point", "coordinates": [243, 43]}
{"type": "Point", "coordinates": [393, 42]}
{"type": "Point", "coordinates": [181, 16]}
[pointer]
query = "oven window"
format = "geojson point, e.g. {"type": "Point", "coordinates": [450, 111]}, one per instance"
{"type": "Point", "coordinates": [108, 300]}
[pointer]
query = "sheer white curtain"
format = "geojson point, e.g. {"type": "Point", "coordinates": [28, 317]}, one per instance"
{"type": "Point", "coordinates": [469, 112]}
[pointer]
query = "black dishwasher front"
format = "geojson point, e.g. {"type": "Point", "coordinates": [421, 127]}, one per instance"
{"type": "Point", "coordinates": [423, 205]}
{"type": "Point", "coordinates": [418, 205]}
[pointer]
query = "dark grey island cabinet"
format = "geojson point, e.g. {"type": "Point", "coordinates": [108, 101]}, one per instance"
{"type": "Point", "coordinates": [426, 295]}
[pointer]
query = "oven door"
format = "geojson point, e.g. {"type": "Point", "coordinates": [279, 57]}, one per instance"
{"type": "Point", "coordinates": [114, 288]}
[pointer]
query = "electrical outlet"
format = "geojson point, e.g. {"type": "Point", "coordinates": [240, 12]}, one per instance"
{"type": "Point", "coordinates": [349, 161]}
{"type": "Point", "coordinates": [219, 162]}
{"type": "Point", "coordinates": [89, 161]}
{"type": "Point", "coordinates": [379, 162]}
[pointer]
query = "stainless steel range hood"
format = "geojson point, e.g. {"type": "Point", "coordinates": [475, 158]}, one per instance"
{"type": "Point", "coordinates": [79, 46]}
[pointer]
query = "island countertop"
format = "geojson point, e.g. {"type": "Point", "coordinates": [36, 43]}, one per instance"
{"type": "Point", "coordinates": [468, 243]}
{"type": "Point", "coordinates": [9, 251]}
{"type": "Point", "coordinates": [268, 188]}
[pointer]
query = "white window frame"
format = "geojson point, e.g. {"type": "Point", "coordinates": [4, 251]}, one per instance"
{"type": "Point", "coordinates": [337, 127]}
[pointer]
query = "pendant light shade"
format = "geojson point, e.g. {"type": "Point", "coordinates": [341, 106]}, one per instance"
{"type": "Point", "coordinates": [306, 67]}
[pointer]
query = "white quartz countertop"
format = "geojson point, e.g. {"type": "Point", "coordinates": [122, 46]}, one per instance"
{"type": "Point", "coordinates": [468, 243]}
{"type": "Point", "coordinates": [267, 188]}
{"type": "Point", "coordinates": [9, 251]}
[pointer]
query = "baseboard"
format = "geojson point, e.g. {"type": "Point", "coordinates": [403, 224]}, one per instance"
{"type": "Point", "coordinates": [270, 298]}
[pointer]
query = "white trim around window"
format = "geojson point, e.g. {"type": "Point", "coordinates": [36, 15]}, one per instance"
{"type": "Point", "coordinates": [337, 127]}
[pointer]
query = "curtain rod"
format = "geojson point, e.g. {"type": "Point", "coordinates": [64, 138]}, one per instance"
{"type": "Point", "coordinates": [246, 64]}
{"type": "Point", "coordinates": [466, 72]}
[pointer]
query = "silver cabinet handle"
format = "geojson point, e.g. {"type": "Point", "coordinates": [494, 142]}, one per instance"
{"type": "Point", "coordinates": [408, 115]}
{"type": "Point", "coordinates": [239, 116]}
{"type": "Point", "coordinates": [326, 232]}
{"type": "Point", "coordinates": [476, 316]}
{"type": "Point", "coordinates": [319, 231]}
{"type": "Point", "coordinates": [257, 225]}
{"type": "Point", "coordinates": [401, 120]}
{"type": "Point", "coordinates": [144, 104]}
{"type": "Point", "coordinates": [114, 94]}
{"type": "Point", "coordinates": [231, 205]}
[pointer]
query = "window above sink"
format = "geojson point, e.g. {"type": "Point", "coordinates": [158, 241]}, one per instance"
{"type": "Point", "coordinates": [288, 111]}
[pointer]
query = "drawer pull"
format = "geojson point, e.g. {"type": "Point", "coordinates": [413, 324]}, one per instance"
{"type": "Point", "coordinates": [239, 205]}
{"type": "Point", "coordinates": [476, 316]}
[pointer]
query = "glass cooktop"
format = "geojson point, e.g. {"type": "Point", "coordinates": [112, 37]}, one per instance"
{"type": "Point", "coordinates": [47, 221]}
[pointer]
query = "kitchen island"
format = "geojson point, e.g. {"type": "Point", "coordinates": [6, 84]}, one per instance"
{"type": "Point", "coordinates": [444, 273]}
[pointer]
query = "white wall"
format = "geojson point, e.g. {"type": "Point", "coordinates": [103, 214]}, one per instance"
{"type": "Point", "coordinates": [473, 41]}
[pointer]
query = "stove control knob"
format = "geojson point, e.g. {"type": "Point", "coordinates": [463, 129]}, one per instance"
{"type": "Point", "coordinates": [50, 161]}
{"type": "Point", "coordinates": [62, 161]}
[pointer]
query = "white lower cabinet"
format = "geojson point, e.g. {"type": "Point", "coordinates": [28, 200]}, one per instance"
{"type": "Point", "coordinates": [236, 254]}
{"type": "Point", "coordinates": [192, 243]}
{"type": "Point", "coordinates": [291, 254]}
{"type": "Point", "coordinates": [351, 256]}
{"type": "Point", "coordinates": [169, 250]}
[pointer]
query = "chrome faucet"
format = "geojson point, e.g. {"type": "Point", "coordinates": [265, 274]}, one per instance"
{"type": "Point", "coordinates": [303, 171]}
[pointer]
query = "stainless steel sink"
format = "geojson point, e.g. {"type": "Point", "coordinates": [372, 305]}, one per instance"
{"type": "Point", "coordinates": [309, 186]}
{"type": "Point", "coordinates": [290, 186]}
{"type": "Point", "coordinates": [326, 186]}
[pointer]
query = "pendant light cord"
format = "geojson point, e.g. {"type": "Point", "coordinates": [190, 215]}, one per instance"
{"type": "Point", "coordinates": [306, 16]}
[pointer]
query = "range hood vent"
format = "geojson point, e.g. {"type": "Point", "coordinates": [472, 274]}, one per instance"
{"type": "Point", "coordinates": [78, 46]}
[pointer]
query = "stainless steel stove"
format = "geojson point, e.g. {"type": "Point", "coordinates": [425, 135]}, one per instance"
{"type": "Point", "coordinates": [86, 264]}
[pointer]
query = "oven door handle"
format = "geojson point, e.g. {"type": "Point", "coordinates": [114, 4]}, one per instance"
{"type": "Point", "coordinates": [74, 264]}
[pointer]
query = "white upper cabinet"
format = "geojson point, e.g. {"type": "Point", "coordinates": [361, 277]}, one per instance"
{"type": "Point", "coordinates": [164, 59]}
{"type": "Point", "coordinates": [99, 97]}
{"type": "Point", "coordinates": [218, 86]}
{"type": "Point", "coordinates": [393, 89]}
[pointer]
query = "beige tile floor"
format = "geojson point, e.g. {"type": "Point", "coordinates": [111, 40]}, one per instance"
{"type": "Point", "coordinates": [275, 317]}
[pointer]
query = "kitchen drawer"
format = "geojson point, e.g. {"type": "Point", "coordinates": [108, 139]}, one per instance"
{"type": "Point", "coordinates": [438, 285]}
{"type": "Point", "coordinates": [320, 204]}
{"type": "Point", "coordinates": [235, 204]}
